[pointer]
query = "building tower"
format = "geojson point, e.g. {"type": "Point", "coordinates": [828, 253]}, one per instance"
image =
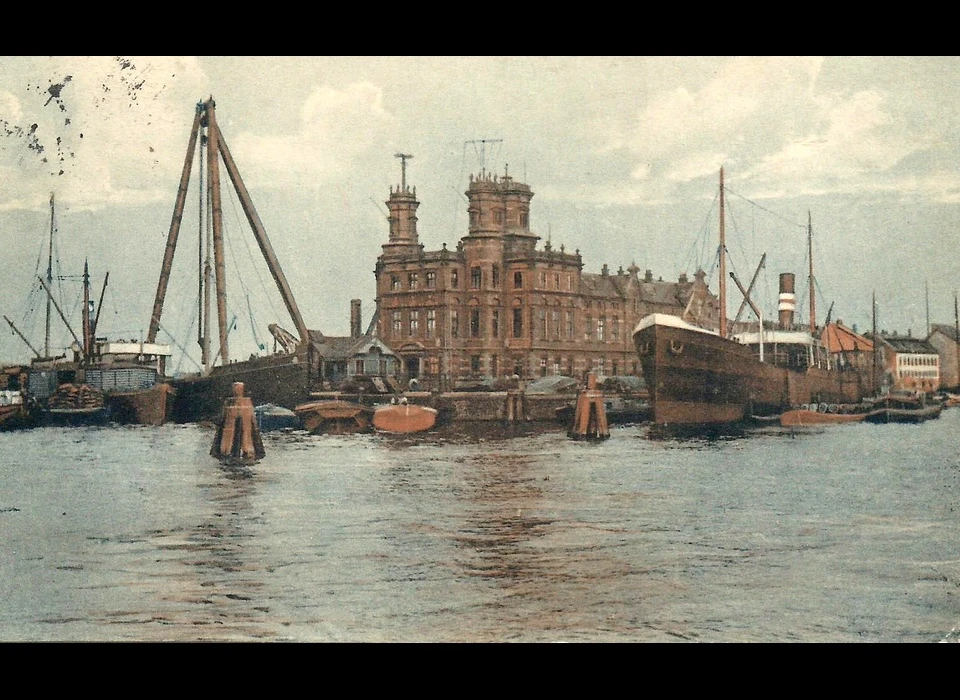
{"type": "Point", "coordinates": [402, 205]}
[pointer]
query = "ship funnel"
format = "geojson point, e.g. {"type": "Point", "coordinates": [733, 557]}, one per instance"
{"type": "Point", "coordinates": [788, 300]}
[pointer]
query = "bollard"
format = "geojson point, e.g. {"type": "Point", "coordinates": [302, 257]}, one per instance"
{"type": "Point", "coordinates": [238, 437]}
{"type": "Point", "coordinates": [590, 417]}
{"type": "Point", "coordinates": [515, 409]}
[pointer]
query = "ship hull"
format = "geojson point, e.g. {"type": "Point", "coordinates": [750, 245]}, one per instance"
{"type": "Point", "coordinates": [282, 379]}
{"type": "Point", "coordinates": [148, 406]}
{"type": "Point", "coordinates": [699, 378]}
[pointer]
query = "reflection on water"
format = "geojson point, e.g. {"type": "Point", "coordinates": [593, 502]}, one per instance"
{"type": "Point", "coordinates": [136, 533]}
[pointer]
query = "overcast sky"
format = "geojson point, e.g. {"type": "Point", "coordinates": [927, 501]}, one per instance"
{"type": "Point", "coordinates": [623, 155]}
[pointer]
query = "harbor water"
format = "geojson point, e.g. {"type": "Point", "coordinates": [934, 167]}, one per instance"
{"type": "Point", "coordinates": [849, 533]}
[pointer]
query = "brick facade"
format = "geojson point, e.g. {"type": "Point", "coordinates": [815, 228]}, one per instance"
{"type": "Point", "coordinates": [497, 305]}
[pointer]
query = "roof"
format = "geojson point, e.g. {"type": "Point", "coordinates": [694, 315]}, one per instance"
{"type": "Point", "coordinates": [556, 384]}
{"type": "Point", "coordinates": [345, 347]}
{"type": "Point", "coordinates": [908, 344]}
{"type": "Point", "coordinates": [838, 338]}
{"type": "Point", "coordinates": [946, 329]}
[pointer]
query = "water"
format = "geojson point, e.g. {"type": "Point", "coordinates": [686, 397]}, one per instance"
{"type": "Point", "coordinates": [846, 534]}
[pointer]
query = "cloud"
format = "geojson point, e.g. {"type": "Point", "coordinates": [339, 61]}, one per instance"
{"type": "Point", "coordinates": [337, 127]}
{"type": "Point", "coordinates": [767, 117]}
{"type": "Point", "coordinates": [105, 129]}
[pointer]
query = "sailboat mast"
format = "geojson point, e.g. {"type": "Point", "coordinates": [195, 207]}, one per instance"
{"type": "Point", "coordinates": [926, 289]}
{"type": "Point", "coordinates": [86, 310]}
{"type": "Point", "coordinates": [813, 297]}
{"type": "Point", "coordinates": [876, 346]}
{"type": "Point", "coordinates": [956, 320]}
{"type": "Point", "coordinates": [46, 336]}
{"type": "Point", "coordinates": [723, 265]}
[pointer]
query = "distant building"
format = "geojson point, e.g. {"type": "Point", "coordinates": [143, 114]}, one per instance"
{"type": "Point", "coordinates": [847, 348]}
{"type": "Point", "coordinates": [909, 363]}
{"type": "Point", "coordinates": [358, 355]}
{"type": "Point", "coordinates": [944, 338]}
{"type": "Point", "coordinates": [498, 306]}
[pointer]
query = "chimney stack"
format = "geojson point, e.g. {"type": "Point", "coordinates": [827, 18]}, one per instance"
{"type": "Point", "coordinates": [788, 301]}
{"type": "Point", "coordinates": [355, 331]}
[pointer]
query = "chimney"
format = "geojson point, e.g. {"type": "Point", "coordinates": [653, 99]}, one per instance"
{"type": "Point", "coordinates": [648, 276]}
{"type": "Point", "coordinates": [788, 301]}
{"type": "Point", "coordinates": [355, 318]}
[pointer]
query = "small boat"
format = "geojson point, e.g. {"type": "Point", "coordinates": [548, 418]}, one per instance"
{"type": "Point", "coordinates": [889, 414]}
{"type": "Point", "coordinates": [335, 417]}
{"type": "Point", "coordinates": [822, 414]}
{"type": "Point", "coordinates": [903, 407]}
{"type": "Point", "coordinates": [271, 417]}
{"type": "Point", "coordinates": [404, 418]}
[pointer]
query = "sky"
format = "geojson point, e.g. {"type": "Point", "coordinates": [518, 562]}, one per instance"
{"type": "Point", "coordinates": [623, 155]}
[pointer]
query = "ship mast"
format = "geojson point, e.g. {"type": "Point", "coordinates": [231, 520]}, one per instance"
{"type": "Point", "coordinates": [86, 310]}
{"type": "Point", "coordinates": [813, 299]}
{"type": "Point", "coordinates": [46, 337]}
{"type": "Point", "coordinates": [723, 266]}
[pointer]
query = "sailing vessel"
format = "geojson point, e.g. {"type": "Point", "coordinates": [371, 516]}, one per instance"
{"type": "Point", "coordinates": [119, 380]}
{"type": "Point", "coordinates": [335, 417]}
{"type": "Point", "coordinates": [283, 378]}
{"type": "Point", "coordinates": [704, 377]}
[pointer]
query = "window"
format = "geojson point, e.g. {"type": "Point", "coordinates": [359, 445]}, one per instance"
{"type": "Point", "coordinates": [518, 323]}
{"type": "Point", "coordinates": [454, 323]}
{"type": "Point", "coordinates": [431, 322]}
{"type": "Point", "coordinates": [394, 282]}
{"type": "Point", "coordinates": [616, 329]}
{"type": "Point", "coordinates": [474, 218]}
{"type": "Point", "coordinates": [474, 323]}
{"type": "Point", "coordinates": [476, 277]}
{"type": "Point", "coordinates": [397, 323]}
{"type": "Point", "coordinates": [413, 280]}
{"type": "Point", "coordinates": [431, 280]}
{"type": "Point", "coordinates": [524, 220]}
{"type": "Point", "coordinates": [498, 217]}
{"type": "Point", "coordinates": [542, 322]}
{"type": "Point", "coordinates": [543, 367]}
{"type": "Point", "coordinates": [518, 280]}
{"type": "Point", "coordinates": [588, 328]}
{"type": "Point", "coordinates": [358, 367]}
{"type": "Point", "coordinates": [543, 280]}
{"type": "Point", "coordinates": [556, 280]}
{"type": "Point", "coordinates": [496, 276]}
{"type": "Point", "coordinates": [614, 367]}
{"type": "Point", "coordinates": [475, 364]}
{"type": "Point", "coordinates": [454, 279]}
{"type": "Point", "coordinates": [569, 282]}
{"type": "Point", "coordinates": [414, 323]}
{"type": "Point", "coordinates": [495, 323]}
{"type": "Point", "coordinates": [569, 325]}
{"type": "Point", "coordinates": [494, 365]}
{"type": "Point", "coordinates": [601, 326]}
{"type": "Point", "coordinates": [556, 366]}
{"type": "Point", "coordinates": [555, 323]}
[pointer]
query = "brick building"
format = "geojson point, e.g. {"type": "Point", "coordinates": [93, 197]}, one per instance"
{"type": "Point", "coordinates": [497, 305]}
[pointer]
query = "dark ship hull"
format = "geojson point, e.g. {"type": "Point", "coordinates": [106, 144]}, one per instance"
{"type": "Point", "coordinates": [283, 379]}
{"type": "Point", "coordinates": [696, 377]}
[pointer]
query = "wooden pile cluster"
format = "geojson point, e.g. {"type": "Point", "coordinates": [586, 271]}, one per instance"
{"type": "Point", "coordinates": [81, 396]}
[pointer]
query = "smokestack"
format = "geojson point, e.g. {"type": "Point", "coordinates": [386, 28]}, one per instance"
{"type": "Point", "coordinates": [355, 318]}
{"type": "Point", "coordinates": [788, 301]}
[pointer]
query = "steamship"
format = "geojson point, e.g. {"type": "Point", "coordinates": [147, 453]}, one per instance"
{"type": "Point", "coordinates": [704, 377]}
